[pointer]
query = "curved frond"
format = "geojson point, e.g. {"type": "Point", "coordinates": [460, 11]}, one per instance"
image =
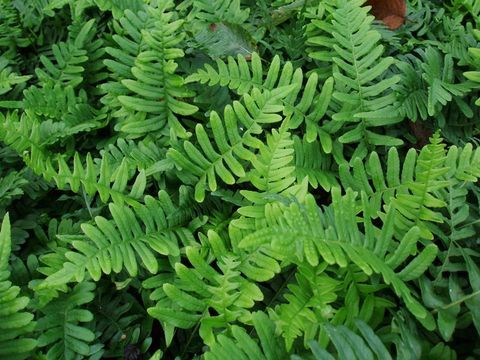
{"type": "Point", "coordinates": [238, 75]}
{"type": "Point", "coordinates": [25, 136]}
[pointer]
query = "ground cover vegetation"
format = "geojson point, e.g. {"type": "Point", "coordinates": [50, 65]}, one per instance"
{"type": "Point", "coordinates": [239, 179]}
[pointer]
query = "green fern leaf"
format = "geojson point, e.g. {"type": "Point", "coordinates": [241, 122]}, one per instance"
{"type": "Point", "coordinates": [234, 136]}
{"type": "Point", "coordinates": [149, 103]}
{"type": "Point", "coordinates": [61, 326]}
{"type": "Point", "coordinates": [198, 289]}
{"type": "Point", "coordinates": [132, 236]}
{"type": "Point", "coordinates": [15, 323]}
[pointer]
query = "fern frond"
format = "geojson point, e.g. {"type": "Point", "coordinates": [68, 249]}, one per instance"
{"type": "Point", "coordinates": [412, 187]}
{"type": "Point", "coordinates": [234, 137]}
{"type": "Point", "coordinates": [241, 346]}
{"type": "Point", "coordinates": [15, 323]}
{"type": "Point", "coordinates": [318, 34]}
{"type": "Point", "coordinates": [132, 236]}
{"type": "Point", "coordinates": [439, 75]}
{"type": "Point", "coordinates": [118, 7]}
{"type": "Point", "coordinates": [61, 327]}
{"type": "Point", "coordinates": [313, 162]}
{"type": "Point", "coordinates": [60, 112]}
{"type": "Point", "coordinates": [12, 34]}
{"type": "Point", "coordinates": [361, 86]}
{"type": "Point", "coordinates": [149, 89]}
{"type": "Point", "coordinates": [8, 78]}
{"type": "Point", "coordinates": [197, 291]}
{"type": "Point", "coordinates": [24, 135]}
{"type": "Point", "coordinates": [120, 318]}
{"type": "Point", "coordinates": [144, 155]}
{"type": "Point", "coordinates": [475, 75]}
{"type": "Point", "coordinates": [11, 185]}
{"type": "Point", "coordinates": [349, 345]}
{"type": "Point", "coordinates": [412, 91]}
{"type": "Point", "coordinates": [216, 11]}
{"type": "Point", "coordinates": [68, 60]}
{"type": "Point", "coordinates": [272, 169]}
{"type": "Point", "coordinates": [239, 76]}
{"type": "Point", "coordinates": [307, 304]}
{"type": "Point", "coordinates": [303, 233]}
{"type": "Point", "coordinates": [259, 265]}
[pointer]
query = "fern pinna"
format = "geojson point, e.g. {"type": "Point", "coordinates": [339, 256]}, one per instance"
{"type": "Point", "coordinates": [239, 179]}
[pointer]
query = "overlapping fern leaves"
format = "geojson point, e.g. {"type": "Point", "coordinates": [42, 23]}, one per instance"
{"type": "Point", "coordinates": [238, 179]}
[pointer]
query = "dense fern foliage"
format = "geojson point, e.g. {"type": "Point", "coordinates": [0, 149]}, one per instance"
{"type": "Point", "coordinates": [237, 179]}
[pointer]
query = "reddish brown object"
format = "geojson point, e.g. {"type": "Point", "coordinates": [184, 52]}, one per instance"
{"type": "Point", "coordinates": [391, 12]}
{"type": "Point", "coordinates": [213, 27]}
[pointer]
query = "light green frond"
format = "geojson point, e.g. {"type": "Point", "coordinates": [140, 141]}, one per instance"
{"type": "Point", "coordinates": [303, 105]}
{"type": "Point", "coordinates": [412, 187]}
{"type": "Point", "coordinates": [313, 161]}
{"type": "Point", "coordinates": [307, 304]}
{"type": "Point", "coordinates": [240, 345]}
{"type": "Point", "coordinates": [272, 167]}
{"type": "Point", "coordinates": [198, 290]}
{"type": "Point", "coordinates": [25, 136]}
{"type": "Point", "coordinates": [234, 140]}
{"type": "Point", "coordinates": [302, 232]}
{"type": "Point", "coordinates": [361, 86]}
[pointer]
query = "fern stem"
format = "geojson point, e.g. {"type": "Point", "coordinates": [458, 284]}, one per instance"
{"type": "Point", "coordinates": [274, 297]}
{"type": "Point", "coordinates": [190, 338]}
{"type": "Point", "coordinates": [459, 301]}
